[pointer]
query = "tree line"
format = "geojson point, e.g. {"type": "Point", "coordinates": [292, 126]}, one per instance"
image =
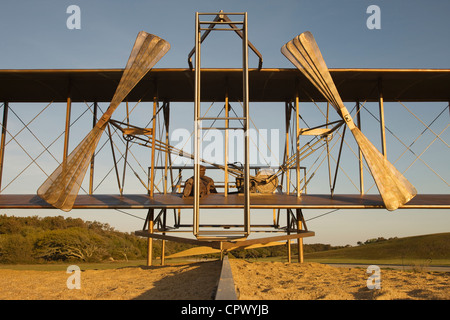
{"type": "Point", "coordinates": [36, 239]}
{"type": "Point", "coordinates": [64, 239]}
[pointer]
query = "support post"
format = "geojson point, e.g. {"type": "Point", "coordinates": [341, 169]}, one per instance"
{"type": "Point", "coordinates": [361, 173]}
{"type": "Point", "coordinates": [288, 241]}
{"type": "Point", "coordinates": [287, 110]}
{"type": "Point", "coordinates": [166, 113]}
{"type": "Point", "coordinates": [125, 160]}
{"type": "Point", "coordinates": [152, 170]}
{"type": "Point", "coordinates": [197, 145]}
{"type": "Point", "coordinates": [67, 127]}
{"type": "Point", "coordinates": [163, 244]}
{"type": "Point", "coordinates": [91, 174]}
{"type": "Point", "coordinates": [299, 240]}
{"type": "Point", "coordinates": [114, 158]}
{"type": "Point", "coordinates": [382, 125]}
{"type": "Point", "coordinates": [225, 180]}
{"type": "Point", "coordinates": [150, 218]}
{"type": "Point", "coordinates": [247, 127]}
{"type": "Point", "coordinates": [328, 152]}
{"type": "Point", "coordinates": [297, 143]}
{"type": "Point", "coordinates": [2, 147]}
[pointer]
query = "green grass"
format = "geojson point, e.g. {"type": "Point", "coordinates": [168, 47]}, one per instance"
{"type": "Point", "coordinates": [82, 265]}
{"type": "Point", "coordinates": [433, 249]}
{"type": "Point", "coordinates": [94, 266]}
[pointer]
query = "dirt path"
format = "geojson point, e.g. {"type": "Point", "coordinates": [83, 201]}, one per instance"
{"type": "Point", "coordinates": [284, 281]}
{"type": "Point", "coordinates": [198, 281]}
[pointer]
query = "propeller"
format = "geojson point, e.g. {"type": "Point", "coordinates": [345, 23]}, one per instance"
{"type": "Point", "coordinates": [62, 186]}
{"type": "Point", "coordinates": [303, 52]}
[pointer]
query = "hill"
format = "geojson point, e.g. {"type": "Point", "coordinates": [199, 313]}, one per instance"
{"type": "Point", "coordinates": [433, 248]}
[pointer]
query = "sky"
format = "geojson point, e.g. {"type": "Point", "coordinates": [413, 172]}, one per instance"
{"type": "Point", "coordinates": [413, 34]}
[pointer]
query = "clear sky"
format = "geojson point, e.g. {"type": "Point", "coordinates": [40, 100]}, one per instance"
{"type": "Point", "coordinates": [413, 34]}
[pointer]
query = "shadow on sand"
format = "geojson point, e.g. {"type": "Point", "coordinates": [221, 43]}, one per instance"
{"type": "Point", "coordinates": [193, 281]}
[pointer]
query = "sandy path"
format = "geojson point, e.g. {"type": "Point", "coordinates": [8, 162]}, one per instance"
{"type": "Point", "coordinates": [284, 281]}
{"type": "Point", "coordinates": [198, 281]}
{"type": "Point", "coordinates": [195, 281]}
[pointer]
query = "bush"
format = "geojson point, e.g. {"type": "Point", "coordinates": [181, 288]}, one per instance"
{"type": "Point", "coordinates": [34, 240]}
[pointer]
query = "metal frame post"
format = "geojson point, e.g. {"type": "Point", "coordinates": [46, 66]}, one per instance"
{"type": "Point", "coordinates": [361, 167]}
{"type": "Point", "coordinates": [297, 143]}
{"type": "Point", "coordinates": [152, 169]}
{"type": "Point", "coordinates": [67, 127]}
{"type": "Point", "coordinates": [226, 145]}
{"type": "Point", "coordinates": [382, 125]}
{"type": "Point", "coordinates": [246, 130]}
{"type": "Point", "coordinates": [150, 218]}
{"type": "Point", "coordinates": [287, 116]}
{"type": "Point", "coordinates": [125, 160]}
{"type": "Point", "coordinates": [3, 139]}
{"type": "Point", "coordinates": [91, 174]}
{"type": "Point", "coordinates": [299, 240]}
{"type": "Point", "coordinates": [288, 232]}
{"type": "Point", "coordinates": [197, 127]}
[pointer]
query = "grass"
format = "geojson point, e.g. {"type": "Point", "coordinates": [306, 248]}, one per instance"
{"type": "Point", "coordinates": [406, 262]}
{"type": "Point", "coordinates": [433, 249]}
{"type": "Point", "coordinates": [82, 265]}
{"type": "Point", "coordinates": [94, 266]}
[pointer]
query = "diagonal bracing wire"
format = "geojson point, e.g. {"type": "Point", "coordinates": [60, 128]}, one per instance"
{"type": "Point", "coordinates": [33, 160]}
{"type": "Point", "coordinates": [408, 148]}
{"type": "Point", "coordinates": [427, 127]}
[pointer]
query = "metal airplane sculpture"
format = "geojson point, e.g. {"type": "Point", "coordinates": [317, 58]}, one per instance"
{"type": "Point", "coordinates": [262, 190]}
{"type": "Point", "coordinates": [61, 188]}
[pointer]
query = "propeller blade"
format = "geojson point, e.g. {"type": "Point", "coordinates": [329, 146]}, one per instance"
{"type": "Point", "coordinates": [62, 186]}
{"type": "Point", "coordinates": [304, 53]}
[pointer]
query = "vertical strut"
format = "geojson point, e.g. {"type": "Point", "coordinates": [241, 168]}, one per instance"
{"type": "Point", "coordinates": [67, 127]}
{"type": "Point", "coordinates": [152, 169]}
{"type": "Point", "coordinates": [91, 174]}
{"type": "Point", "coordinates": [287, 111]}
{"type": "Point", "coordinates": [126, 150]}
{"type": "Point", "coordinates": [361, 173]}
{"type": "Point", "coordinates": [300, 240]}
{"type": "Point", "coordinates": [2, 147]}
{"type": "Point", "coordinates": [150, 219]}
{"type": "Point", "coordinates": [196, 128]}
{"type": "Point", "coordinates": [247, 132]}
{"type": "Point", "coordinates": [382, 126]}
{"type": "Point", "coordinates": [297, 143]}
{"type": "Point", "coordinates": [226, 145]}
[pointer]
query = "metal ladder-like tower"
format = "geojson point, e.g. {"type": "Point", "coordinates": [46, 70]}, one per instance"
{"type": "Point", "coordinates": [240, 27]}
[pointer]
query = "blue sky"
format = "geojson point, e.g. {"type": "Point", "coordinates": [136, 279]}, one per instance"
{"type": "Point", "coordinates": [413, 34]}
